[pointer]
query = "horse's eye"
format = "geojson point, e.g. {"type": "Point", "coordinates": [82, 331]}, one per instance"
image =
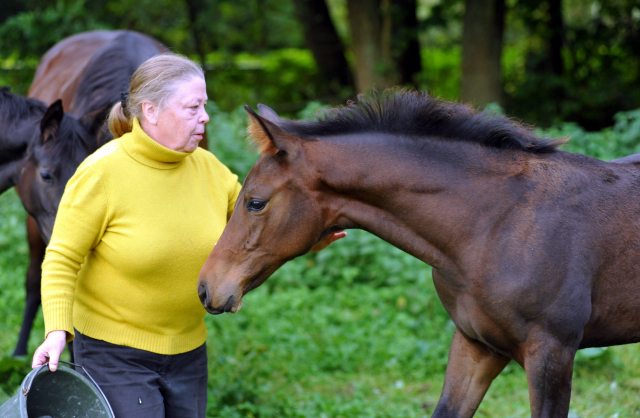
{"type": "Point", "coordinates": [46, 176]}
{"type": "Point", "coordinates": [256, 205]}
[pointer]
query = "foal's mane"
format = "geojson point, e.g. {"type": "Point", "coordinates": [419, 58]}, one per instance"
{"type": "Point", "coordinates": [15, 108]}
{"type": "Point", "coordinates": [413, 113]}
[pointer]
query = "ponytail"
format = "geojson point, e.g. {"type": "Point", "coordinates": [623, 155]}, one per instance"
{"type": "Point", "coordinates": [119, 123]}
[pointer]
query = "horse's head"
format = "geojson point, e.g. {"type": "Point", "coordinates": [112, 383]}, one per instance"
{"type": "Point", "coordinates": [277, 217]}
{"type": "Point", "coordinates": [52, 158]}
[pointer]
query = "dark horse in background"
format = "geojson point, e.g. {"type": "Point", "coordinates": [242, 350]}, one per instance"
{"type": "Point", "coordinates": [535, 251]}
{"type": "Point", "coordinates": [45, 136]}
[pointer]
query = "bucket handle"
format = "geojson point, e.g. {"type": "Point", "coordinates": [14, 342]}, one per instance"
{"type": "Point", "coordinates": [26, 385]}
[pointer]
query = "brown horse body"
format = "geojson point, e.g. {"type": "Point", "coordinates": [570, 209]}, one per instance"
{"type": "Point", "coordinates": [535, 251]}
{"type": "Point", "coordinates": [80, 79]}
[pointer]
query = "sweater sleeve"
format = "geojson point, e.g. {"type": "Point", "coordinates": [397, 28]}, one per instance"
{"type": "Point", "coordinates": [229, 182]}
{"type": "Point", "coordinates": [80, 223]}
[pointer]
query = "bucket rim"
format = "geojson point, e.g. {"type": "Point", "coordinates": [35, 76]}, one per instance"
{"type": "Point", "coordinates": [28, 380]}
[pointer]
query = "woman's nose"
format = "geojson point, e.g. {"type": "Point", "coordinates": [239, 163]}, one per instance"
{"type": "Point", "coordinates": [204, 117]}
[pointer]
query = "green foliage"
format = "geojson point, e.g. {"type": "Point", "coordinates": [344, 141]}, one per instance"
{"type": "Point", "coordinates": [226, 135]}
{"type": "Point", "coordinates": [441, 74]}
{"type": "Point", "coordinates": [614, 142]}
{"type": "Point", "coordinates": [12, 373]}
{"type": "Point", "coordinates": [600, 59]}
{"type": "Point", "coordinates": [13, 262]}
{"type": "Point", "coordinates": [283, 79]}
{"type": "Point", "coordinates": [31, 33]}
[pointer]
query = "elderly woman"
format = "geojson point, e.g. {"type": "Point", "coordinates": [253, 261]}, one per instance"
{"type": "Point", "coordinates": [135, 224]}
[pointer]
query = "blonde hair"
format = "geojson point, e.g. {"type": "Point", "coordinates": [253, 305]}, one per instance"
{"type": "Point", "coordinates": [154, 82]}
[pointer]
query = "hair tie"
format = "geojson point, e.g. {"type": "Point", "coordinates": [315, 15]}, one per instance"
{"type": "Point", "coordinates": [123, 99]}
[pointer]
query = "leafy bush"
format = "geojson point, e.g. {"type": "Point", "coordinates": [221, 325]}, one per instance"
{"type": "Point", "coordinates": [285, 78]}
{"type": "Point", "coordinates": [12, 373]}
{"type": "Point", "coordinates": [617, 141]}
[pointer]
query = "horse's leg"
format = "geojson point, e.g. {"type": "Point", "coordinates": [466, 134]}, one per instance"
{"type": "Point", "coordinates": [471, 369]}
{"type": "Point", "coordinates": [549, 367]}
{"type": "Point", "coordinates": [37, 248]}
{"type": "Point", "coordinates": [36, 255]}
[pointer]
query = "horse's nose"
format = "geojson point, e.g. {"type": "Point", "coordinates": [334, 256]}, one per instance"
{"type": "Point", "coordinates": [203, 292]}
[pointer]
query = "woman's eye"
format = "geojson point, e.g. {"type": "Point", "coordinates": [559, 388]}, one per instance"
{"type": "Point", "coordinates": [256, 205]}
{"type": "Point", "coordinates": [46, 176]}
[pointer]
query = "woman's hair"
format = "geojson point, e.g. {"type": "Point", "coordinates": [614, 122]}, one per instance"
{"type": "Point", "coordinates": [154, 81]}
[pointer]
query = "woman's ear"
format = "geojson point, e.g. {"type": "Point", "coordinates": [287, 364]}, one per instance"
{"type": "Point", "coordinates": [150, 112]}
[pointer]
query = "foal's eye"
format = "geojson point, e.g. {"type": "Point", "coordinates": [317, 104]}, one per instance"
{"type": "Point", "coordinates": [256, 205]}
{"type": "Point", "coordinates": [46, 176]}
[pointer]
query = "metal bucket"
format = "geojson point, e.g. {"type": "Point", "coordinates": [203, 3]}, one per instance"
{"type": "Point", "coordinates": [61, 394]}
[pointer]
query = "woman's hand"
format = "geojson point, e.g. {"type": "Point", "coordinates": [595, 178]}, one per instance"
{"type": "Point", "coordinates": [326, 241]}
{"type": "Point", "coordinates": [50, 350]}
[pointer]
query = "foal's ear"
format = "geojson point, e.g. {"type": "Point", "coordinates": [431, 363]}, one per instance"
{"type": "Point", "coordinates": [267, 113]}
{"type": "Point", "coordinates": [51, 120]}
{"type": "Point", "coordinates": [269, 137]}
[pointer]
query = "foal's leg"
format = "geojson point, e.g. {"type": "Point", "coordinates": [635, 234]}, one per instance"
{"type": "Point", "coordinates": [549, 367]}
{"type": "Point", "coordinates": [471, 369]}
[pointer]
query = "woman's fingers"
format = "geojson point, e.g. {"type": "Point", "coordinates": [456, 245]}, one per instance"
{"type": "Point", "coordinates": [326, 241]}
{"type": "Point", "coordinates": [50, 350]}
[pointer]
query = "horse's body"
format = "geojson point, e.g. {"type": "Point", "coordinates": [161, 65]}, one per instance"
{"type": "Point", "coordinates": [535, 251]}
{"type": "Point", "coordinates": [84, 75]}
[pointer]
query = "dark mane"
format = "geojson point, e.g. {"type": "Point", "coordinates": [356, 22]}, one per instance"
{"type": "Point", "coordinates": [413, 113]}
{"type": "Point", "coordinates": [15, 109]}
{"type": "Point", "coordinates": [109, 72]}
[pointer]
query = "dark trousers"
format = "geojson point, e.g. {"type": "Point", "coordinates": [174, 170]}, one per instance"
{"type": "Point", "coordinates": [140, 384]}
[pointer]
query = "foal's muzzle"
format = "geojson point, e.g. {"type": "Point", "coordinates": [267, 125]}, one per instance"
{"type": "Point", "coordinates": [203, 292]}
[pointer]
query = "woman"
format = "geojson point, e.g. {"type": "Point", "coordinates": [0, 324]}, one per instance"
{"type": "Point", "coordinates": [135, 224]}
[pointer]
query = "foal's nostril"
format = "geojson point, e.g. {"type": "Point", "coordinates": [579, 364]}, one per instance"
{"type": "Point", "coordinates": [203, 292]}
{"type": "Point", "coordinates": [229, 305]}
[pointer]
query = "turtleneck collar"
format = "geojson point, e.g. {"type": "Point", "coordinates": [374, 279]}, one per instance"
{"type": "Point", "coordinates": [142, 148]}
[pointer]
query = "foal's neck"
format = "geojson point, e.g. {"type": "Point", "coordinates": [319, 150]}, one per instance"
{"type": "Point", "coordinates": [427, 198]}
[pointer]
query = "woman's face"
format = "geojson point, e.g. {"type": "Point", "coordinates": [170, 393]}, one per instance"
{"type": "Point", "coordinates": [179, 123]}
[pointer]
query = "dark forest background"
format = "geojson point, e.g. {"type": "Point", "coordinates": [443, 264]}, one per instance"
{"type": "Point", "coordinates": [541, 60]}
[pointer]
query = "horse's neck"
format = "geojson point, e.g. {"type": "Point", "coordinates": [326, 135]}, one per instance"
{"type": "Point", "coordinates": [15, 138]}
{"type": "Point", "coordinates": [427, 201]}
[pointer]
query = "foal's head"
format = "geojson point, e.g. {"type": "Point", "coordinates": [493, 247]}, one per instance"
{"type": "Point", "coordinates": [277, 217]}
{"type": "Point", "coordinates": [60, 145]}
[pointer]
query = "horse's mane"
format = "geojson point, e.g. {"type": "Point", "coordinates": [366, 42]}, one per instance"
{"type": "Point", "coordinates": [109, 72]}
{"type": "Point", "coordinates": [413, 113]}
{"type": "Point", "coordinates": [15, 108]}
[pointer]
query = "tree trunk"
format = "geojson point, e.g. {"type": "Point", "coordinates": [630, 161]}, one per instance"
{"type": "Point", "coordinates": [557, 37]}
{"type": "Point", "coordinates": [405, 41]}
{"type": "Point", "coordinates": [194, 8]}
{"type": "Point", "coordinates": [325, 45]}
{"type": "Point", "coordinates": [483, 28]}
{"type": "Point", "coordinates": [370, 26]}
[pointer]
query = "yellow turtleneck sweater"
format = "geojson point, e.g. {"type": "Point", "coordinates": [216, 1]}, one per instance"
{"type": "Point", "coordinates": [134, 227]}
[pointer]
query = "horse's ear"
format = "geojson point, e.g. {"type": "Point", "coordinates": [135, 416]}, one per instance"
{"type": "Point", "coordinates": [94, 120]}
{"type": "Point", "coordinates": [268, 113]}
{"type": "Point", "coordinates": [267, 136]}
{"type": "Point", "coordinates": [51, 120]}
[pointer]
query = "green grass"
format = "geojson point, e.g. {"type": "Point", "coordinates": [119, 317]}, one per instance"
{"type": "Point", "coordinates": [353, 331]}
